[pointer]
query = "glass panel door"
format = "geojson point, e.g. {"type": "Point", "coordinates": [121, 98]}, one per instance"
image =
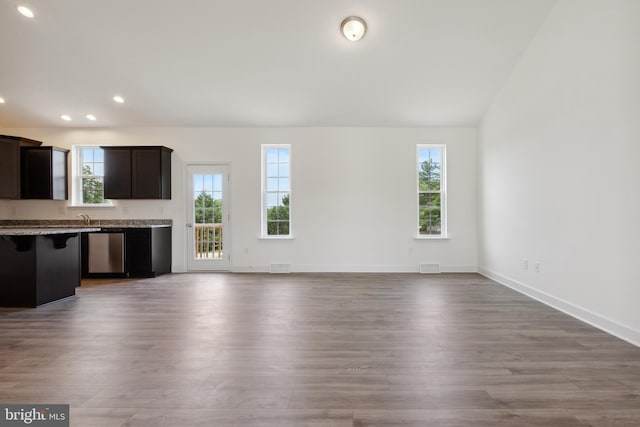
{"type": "Point", "coordinates": [207, 221]}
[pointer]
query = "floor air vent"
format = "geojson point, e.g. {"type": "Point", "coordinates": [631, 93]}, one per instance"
{"type": "Point", "coordinates": [280, 268]}
{"type": "Point", "coordinates": [429, 268]}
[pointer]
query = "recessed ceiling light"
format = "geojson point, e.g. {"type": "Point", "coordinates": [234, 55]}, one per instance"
{"type": "Point", "coordinates": [65, 117]}
{"type": "Point", "coordinates": [1, 100]}
{"type": "Point", "coordinates": [25, 11]}
{"type": "Point", "coordinates": [91, 117]}
{"type": "Point", "coordinates": [118, 99]}
{"type": "Point", "coordinates": [353, 28]}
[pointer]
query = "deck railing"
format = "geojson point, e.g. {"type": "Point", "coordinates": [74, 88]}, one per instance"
{"type": "Point", "coordinates": [208, 241]}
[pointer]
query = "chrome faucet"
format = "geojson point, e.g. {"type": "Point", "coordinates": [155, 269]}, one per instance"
{"type": "Point", "coordinates": [86, 218]}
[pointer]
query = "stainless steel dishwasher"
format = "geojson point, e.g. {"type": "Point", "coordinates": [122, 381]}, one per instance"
{"type": "Point", "coordinates": [106, 251]}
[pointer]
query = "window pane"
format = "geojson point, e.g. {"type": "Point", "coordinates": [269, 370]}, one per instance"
{"type": "Point", "coordinates": [283, 155]}
{"type": "Point", "coordinates": [283, 184]}
{"type": "Point", "coordinates": [208, 182]}
{"type": "Point", "coordinates": [272, 228]}
{"type": "Point", "coordinates": [87, 155]}
{"type": "Point", "coordinates": [274, 213]}
{"type": "Point", "coordinates": [283, 228]}
{"type": "Point", "coordinates": [429, 176]}
{"type": "Point", "coordinates": [283, 170]}
{"type": "Point", "coordinates": [272, 155]}
{"type": "Point", "coordinates": [98, 155]}
{"type": "Point", "coordinates": [98, 169]}
{"type": "Point", "coordinates": [429, 199]}
{"type": "Point", "coordinates": [272, 184]}
{"type": "Point", "coordinates": [272, 199]}
{"type": "Point", "coordinates": [217, 182]}
{"type": "Point", "coordinates": [217, 210]}
{"type": "Point", "coordinates": [272, 169]}
{"type": "Point", "coordinates": [87, 169]}
{"type": "Point", "coordinates": [429, 154]}
{"type": "Point", "coordinates": [198, 183]}
{"type": "Point", "coordinates": [92, 190]}
{"type": "Point", "coordinates": [283, 213]}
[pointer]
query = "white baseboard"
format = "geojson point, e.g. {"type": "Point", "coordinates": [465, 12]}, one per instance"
{"type": "Point", "coordinates": [178, 269]}
{"type": "Point", "coordinates": [312, 268]}
{"type": "Point", "coordinates": [607, 325]}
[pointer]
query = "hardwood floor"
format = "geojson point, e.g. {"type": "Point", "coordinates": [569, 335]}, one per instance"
{"type": "Point", "coordinates": [315, 350]}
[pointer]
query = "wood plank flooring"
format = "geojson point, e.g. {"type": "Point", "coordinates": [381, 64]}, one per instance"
{"type": "Point", "coordinates": [315, 350]}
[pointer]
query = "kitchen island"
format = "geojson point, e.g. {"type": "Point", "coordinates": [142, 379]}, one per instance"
{"type": "Point", "coordinates": [39, 265]}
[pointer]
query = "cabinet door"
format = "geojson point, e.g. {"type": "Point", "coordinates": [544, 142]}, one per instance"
{"type": "Point", "coordinates": [43, 173]}
{"type": "Point", "coordinates": [59, 182]}
{"type": "Point", "coordinates": [117, 173]}
{"type": "Point", "coordinates": [146, 180]}
{"type": "Point", "coordinates": [138, 252]}
{"type": "Point", "coordinates": [36, 173]}
{"type": "Point", "coordinates": [9, 169]}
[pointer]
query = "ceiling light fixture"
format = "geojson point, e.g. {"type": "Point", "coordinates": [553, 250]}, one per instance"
{"type": "Point", "coordinates": [65, 117]}
{"type": "Point", "coordinates": [118, 99]}
{"type": "Point", "coordinates": [25, 11]}
{"type": "Point", "coordinates": [1, 100]}
{"type": "Point", "coordinates": [91, 117]}
{"type": "Point", "coordinates": [353, 28]}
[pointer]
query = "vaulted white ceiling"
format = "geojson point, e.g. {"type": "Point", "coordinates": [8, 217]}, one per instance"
{"type": "Point", "coordinates": [258, 62]}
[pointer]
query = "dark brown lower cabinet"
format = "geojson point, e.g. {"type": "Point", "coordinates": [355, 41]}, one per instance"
{"type": "Point", "coordinates": [147, 253]}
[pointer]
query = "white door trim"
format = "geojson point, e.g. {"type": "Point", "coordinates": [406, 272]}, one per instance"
{"type": "Point", "coordinates": [227, 201]}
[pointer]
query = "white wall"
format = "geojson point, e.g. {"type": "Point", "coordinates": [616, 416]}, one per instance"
{"type": "Point", "coordinates": [558, 167]}
{"type": "Point", "coordinates": [353, 200]}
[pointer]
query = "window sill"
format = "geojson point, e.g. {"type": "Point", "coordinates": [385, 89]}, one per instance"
{"type": "Point", "coordinates": [108, 206]}
{"type": "Point", "coordinates": [276, 238]}
{"type": "Point", "coordinates": [420, 237]}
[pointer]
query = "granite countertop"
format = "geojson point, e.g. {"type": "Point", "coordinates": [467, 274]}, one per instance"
{"type": "Point", "coordinates": [42, 231]}
{"type": "Point", "coordinates": [97, 224]}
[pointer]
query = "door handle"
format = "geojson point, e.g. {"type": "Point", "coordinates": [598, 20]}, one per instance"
{"type": "Point", "coordinates": [189, 225]}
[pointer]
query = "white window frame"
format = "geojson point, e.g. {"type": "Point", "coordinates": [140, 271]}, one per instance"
{"type": "Point", "coordinates": [263, 159]}
{"type": "Point", "coordinates": [443, 191]}
{"type": "Point", "coordinates": [76, 182]}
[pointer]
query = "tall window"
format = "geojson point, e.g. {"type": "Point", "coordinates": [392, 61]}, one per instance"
{"type": "Point", "coordinates": [432, 219]}
{"type": "Point", "coordinates": [90, 176]}
{"type": "Point", "coordinates": [276, 190]}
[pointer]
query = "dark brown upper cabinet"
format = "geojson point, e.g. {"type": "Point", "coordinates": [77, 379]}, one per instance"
{"type": "Point", "coordinates": [44, 173]}
{"type": "Point", "coordinates": [10, 164]}
{"type": "Point", "coordinates": [137, 172]}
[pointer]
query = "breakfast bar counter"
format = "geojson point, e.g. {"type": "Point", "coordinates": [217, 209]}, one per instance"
{"type": "Point", "coordinates": [39, 265]}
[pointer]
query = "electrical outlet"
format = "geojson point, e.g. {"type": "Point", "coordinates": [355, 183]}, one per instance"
{"type": "Point", "coordinates": [525, 264]}
{"type": "Point", "coordinates": [536, 267]}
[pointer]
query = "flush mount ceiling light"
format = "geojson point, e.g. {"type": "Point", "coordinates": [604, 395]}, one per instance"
{"type": "Point", "coordinates": [1, 100]}
{"type": "Point", "coordinates": [118, 99]}
{"type": "Point", "coordinates": [91, 117]}
{"type": "Point", "coordinates": [353, 28]}
{"type": "Point", "coordinates": [65, 117]}
{"type": "Point", "coordinates": [25, 11]}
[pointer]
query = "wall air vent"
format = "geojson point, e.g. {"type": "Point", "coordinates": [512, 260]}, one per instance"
{"type": "Point", "coordinates": [280, 268]}
{"type": "Point", "coordinates": [429, 268]}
